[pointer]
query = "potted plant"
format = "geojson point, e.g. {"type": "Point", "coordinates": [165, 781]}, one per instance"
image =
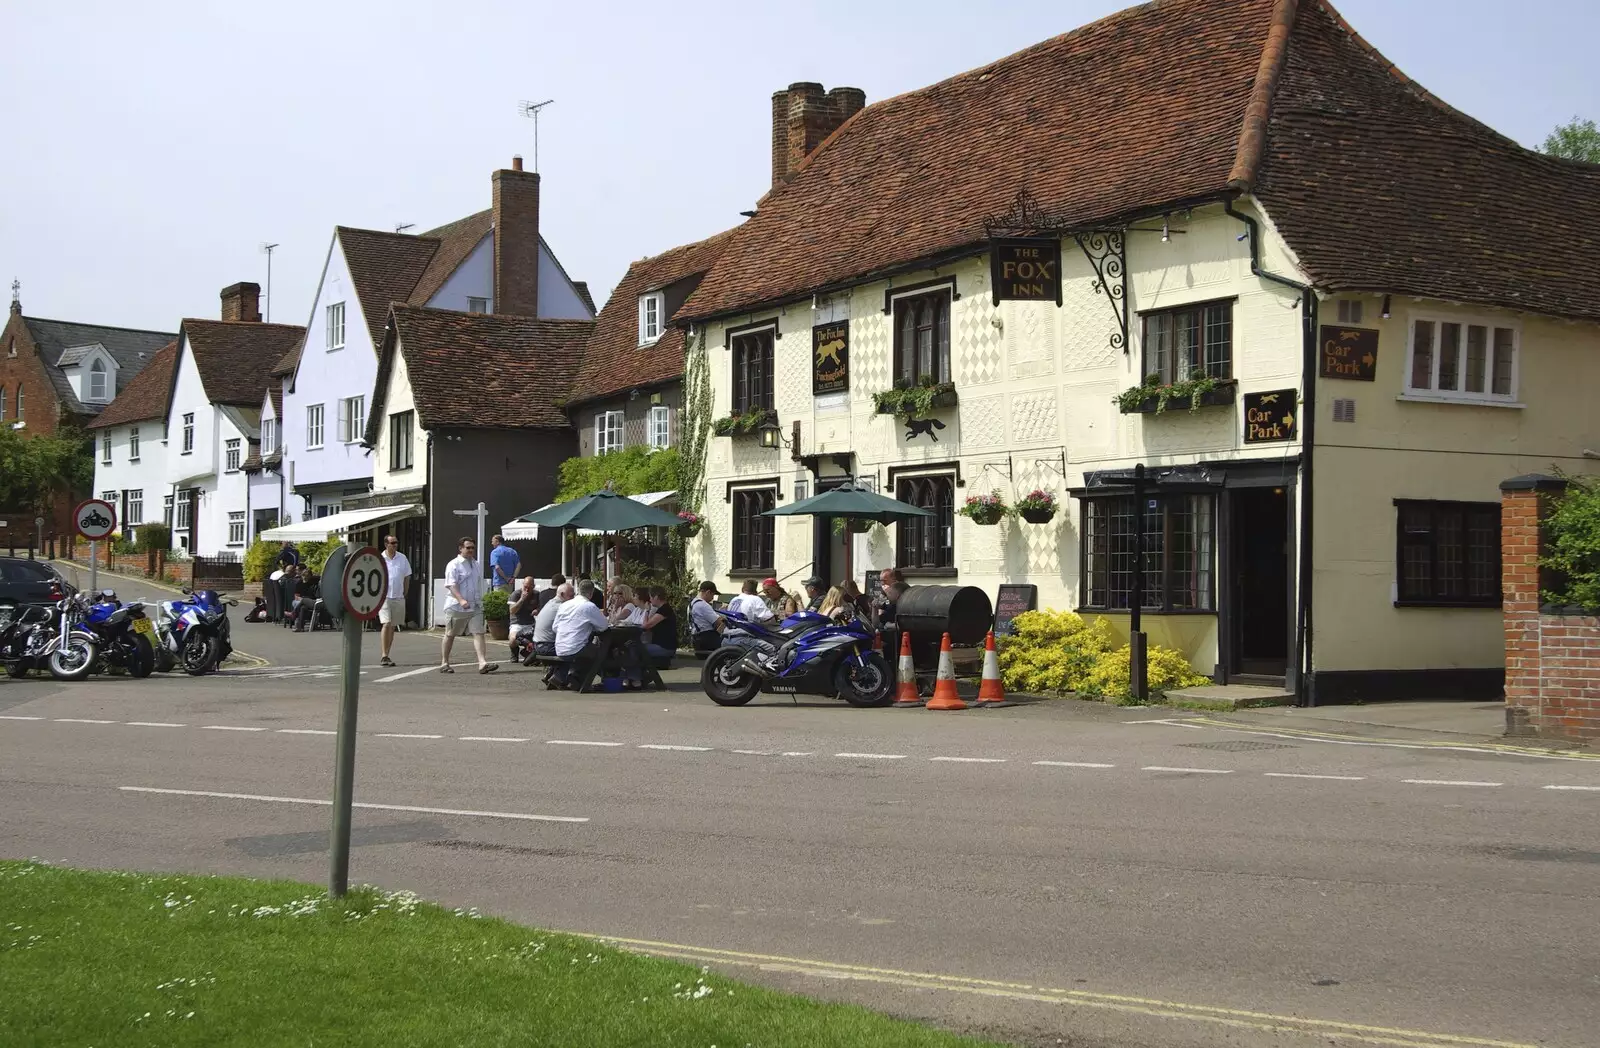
{"type": "Point", "coordinates": [1152, 396]}
{"type": "Point", "coordinates": [1037, 506]}
{"type": "Point", "coordinates": [497, 614]}
{"type": "Point", "coordinates": [909, 401]}
{"type": "Point", "coordinates": [984, 509]}
{"type": "Point", "coordinates": [691, 524]}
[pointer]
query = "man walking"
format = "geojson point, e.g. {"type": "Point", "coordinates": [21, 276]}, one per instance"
{"type": "Point", "coordinates": [393, 611]}
{"type": "Point", "coordinates": [503, 561]}
{"type": "Point", "coordinates": [463, 609]}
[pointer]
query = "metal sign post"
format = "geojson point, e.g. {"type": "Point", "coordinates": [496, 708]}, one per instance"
{"type": "Point", "coordinates": [95, 519]}
{"type": "Point", "coordinates": [364, 583]}
{"type": "Point", "coordinates": [482, 513]}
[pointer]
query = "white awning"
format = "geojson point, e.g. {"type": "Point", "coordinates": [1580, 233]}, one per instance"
{"type": "Point", "coordinates": [349, 520]}
{"type": "Point", "coordinates": [520, 531]}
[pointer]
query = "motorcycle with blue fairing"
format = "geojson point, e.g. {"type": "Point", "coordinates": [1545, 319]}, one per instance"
{"type": "Point", "coordinates": [123, 635]}
{"type": "Point", "coordinates": [194, 632]}
{"type": "Point", "coordinates": [806, 654]}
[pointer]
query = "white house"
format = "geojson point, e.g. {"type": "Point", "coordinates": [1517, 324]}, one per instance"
{"type": "Point", "coordinates": [130, 466]}
{"type": "Point", "coordinates": [490, 262]}
{"type": "Point", "coordinates": [220, 378]}
{"type": "Point", "coordinates": [268, 483]}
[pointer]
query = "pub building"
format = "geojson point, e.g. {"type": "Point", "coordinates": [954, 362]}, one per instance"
{"type": "Point", "coordinates": [1353, 311]}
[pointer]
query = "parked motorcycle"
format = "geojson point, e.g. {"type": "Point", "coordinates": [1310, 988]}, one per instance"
{"type": "Point", "coordinates": [41, 637]}
{"type": "Point", "coordinates": [21, 640]}
{"type": "Point", "coordinates": [123, 634]}
{"type": "Point", "coordinates": [808, 654]}
{"type": "Point", "coordinates": [194, 632]}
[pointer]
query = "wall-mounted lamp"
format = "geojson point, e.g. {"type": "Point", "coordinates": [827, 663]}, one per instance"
{"type": "Point", "coordinates": [771, 436]}
{"type": "Point", "coordinates": [1242, 237]}
{"type": "Point", "coordinates": [1386, 307]}
{"type": "Point", "coordinates": [1166, 233]}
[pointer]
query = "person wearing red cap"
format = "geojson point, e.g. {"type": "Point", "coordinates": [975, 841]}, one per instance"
{"type": "Point", "coordinates": [778, 602]}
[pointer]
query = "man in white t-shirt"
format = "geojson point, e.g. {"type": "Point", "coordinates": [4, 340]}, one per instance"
{"type": "Point", "coordinates": [393, 610]}
{"type": "Point", "coordinates": [576, 623]}
{"type": "Point", "coordinates": [463, 608]}
{"type": "Point", "coordinates": [749, 603]}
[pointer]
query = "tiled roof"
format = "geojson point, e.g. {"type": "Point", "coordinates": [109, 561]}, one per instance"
{"type": "Point", "coordinates": [481, 369]}
{"type": "Point", "coordinates": [77, 355]}
{"type": "Point", "coordinates": [613, 360]}
{"type": "Point", "coordinates": [384, 267]}
{"type": "Point", "coordinates": [455, 242]}
{"type": "Point", "coordinates": [582, 288]}
{"type": "Point", "coordinates": [1374, 183]}
{"type": "Point", "coordinates": [289, 361]}
{"type": "Point", "coordinates": [146, 396]}
{"type": "Point", "coordinates": [131, 348]}
{"type": "Point", "coordinates": [236, 357]}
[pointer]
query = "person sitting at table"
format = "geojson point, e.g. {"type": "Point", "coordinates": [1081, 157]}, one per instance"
{"type": "Point", "coordinates": [660, 637]}
{"type": "Point", "coordinates": [544, 626]}
{"type": "Point", "coordinates": [853, 594]}
{"type": "Point", "coordinates": [626, 607]}
{"type": "Point", "coordinates": [306, 588]}
{"type": "Point", "coordinates": [705, 625]}
{"type": "Point", "coordinates": [835, 606]}
{"type": "Point", "coordinates": [888, 609]}
{"type": "Point", "coordinates": [524, 610]}
{"type": "Point", "coordinates": [577, 622]}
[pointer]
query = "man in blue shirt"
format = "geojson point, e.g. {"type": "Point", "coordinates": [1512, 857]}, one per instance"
{"type": "Point", "coordinates": [503, 561]}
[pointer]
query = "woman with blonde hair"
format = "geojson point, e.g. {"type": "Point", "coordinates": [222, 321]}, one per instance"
{"type": "Point", "coordinates": [627, 611]}
{"type": "Point", "coordinates": [835, 605]}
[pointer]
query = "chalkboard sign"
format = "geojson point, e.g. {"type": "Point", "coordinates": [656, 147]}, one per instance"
{"type": "Point", "coordinates": [1014, 599]}
{"type": "Point", "coordinates": [872, 586]}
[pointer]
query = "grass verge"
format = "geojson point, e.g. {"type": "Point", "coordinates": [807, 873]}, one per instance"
{"type": "Point", "coordinates": [98, 958]}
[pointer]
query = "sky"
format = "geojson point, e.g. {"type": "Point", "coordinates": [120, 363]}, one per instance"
{"type": "Point", "coordinates": [153, 148]}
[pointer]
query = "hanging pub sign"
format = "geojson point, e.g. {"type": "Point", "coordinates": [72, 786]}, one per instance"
{"type": "Point", "coordinates": [1348, 352]}
{"type": "Point", "coordinates": [830, 357]}
{"type": "Point", "coordinates": [1269, 416]}
{"type": "Point", "coordinates": [1026, 270]}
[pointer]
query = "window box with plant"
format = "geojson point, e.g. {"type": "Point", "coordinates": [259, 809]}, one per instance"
{"type": "Point", "coordinates": [986, 510]}
{"type": "Point", "coordinates": [745, 423]}
{"type": "Point", "coordinates": [691, 524]}
{"type": "Point", "coordinates": [1037, 506]}
{"type": "Point", "coordinates": [1198, 391]}
{"type": "Point", "coordinates": [1188, 357]}
{"type": "Point", "coordinates": [909, 402]}
{"type": "Point", "coordinates": [497, 614]}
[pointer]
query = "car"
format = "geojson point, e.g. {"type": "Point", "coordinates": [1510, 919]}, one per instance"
{"type": "Point", "coordinates": [25, 581]}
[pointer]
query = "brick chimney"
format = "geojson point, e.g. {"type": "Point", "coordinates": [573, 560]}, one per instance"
{"type": "Point", "coordinates": [802, 116]}
{"type": "Point", "coordinates": [516, 240]}
{"type": "Point", "coordinates": [242, 301]}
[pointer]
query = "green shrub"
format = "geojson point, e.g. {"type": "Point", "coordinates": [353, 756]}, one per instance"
{"type": "Point", "coordinates": [496, 606]}
{"type": "Point", "coordinates": [1109, 678]}
{"type": "Point", "coordinates": [123, 546]}
{"type": "Point", "coordinates": [631, 471]}
{"type": "Point", "coordinates": [1573, 533]}
{"type": "Point", "coordinates": [314, 553]}
{"type": "Point", "coordinates": [260, 560]}
{"type": "Point", "coordinates": [154, 536]}
{"type": "Point", "coordinates": [1050, 652]}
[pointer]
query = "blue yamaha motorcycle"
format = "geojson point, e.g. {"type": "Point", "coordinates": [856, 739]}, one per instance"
{"type": "Point", "coordinates": [123, 635]}
{"type": "Point", "coordinates": [807, 654]}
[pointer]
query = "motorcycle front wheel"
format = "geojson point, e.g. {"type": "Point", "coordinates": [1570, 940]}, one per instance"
{"type": "Point", "coordinates": [73, 659]}
{"type": "Point", "coordinates": [723, 681]}
{"type": "Point", "coordinates": [142, 658]}
{"type": "Point", "coordinates": [199, 653]}
{"type": "Point", "coordinates": [865, 683]}
{"type": "Point", "coordinates": [165, 663]}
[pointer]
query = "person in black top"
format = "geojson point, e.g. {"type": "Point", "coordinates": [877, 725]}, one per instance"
{"type": "Point", "coordinates": [306, 588]}
{"type": "Point", "coordinates": [548, 594]}
{"type": "Point", "coordinates": [660, 626]}
{"type": "Point", "coordinates": [816, 589]}
{"type": "Point", "coordinates": [288, 555]}
{"type": "Point", "coordinates": [525, 608]}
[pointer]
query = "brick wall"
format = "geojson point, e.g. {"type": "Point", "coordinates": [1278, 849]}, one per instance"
{"type": "Point", "coordinates": [1552, 655]}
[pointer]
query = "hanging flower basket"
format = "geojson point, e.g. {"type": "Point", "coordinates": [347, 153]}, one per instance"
{"type": "Point", "coordinates": [1037, 507]}
{"type": "Point", "coordinates": [691, 524]}
{"type": "Point", "coordinates": [1038, 516]}
{"type": "Point", "coordinates": [986, 510]}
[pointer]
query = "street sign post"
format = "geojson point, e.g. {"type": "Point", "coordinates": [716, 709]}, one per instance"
{"type": "Point", "coordinates": [94, 519]}
{"type": "Point", "coordinates": [363, 585]}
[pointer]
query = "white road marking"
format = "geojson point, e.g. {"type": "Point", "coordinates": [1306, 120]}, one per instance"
{"type": "Point", "coordinates": [665, 746]}
{"type": "Point", "coordinates": [303, 731]}
{"type": "Point", "coordinates": [358, 804]}
{"type": "Point", "coordinates": [1448, 782]}
{"type": "Point", "coordinates": [796, 753]}
{"type": "Point", "coordinates": [152, 724]}
{"type": "Point", "coordinates": [1191, 771]}
{"type": "Point", "coordinates": [1148, 720]}
{"type": "Point", "coordinates": [1589, 789]}
{"type": "Point", "coordinates": [226, 727]}
{"type": "Point", "coordinates": [1072, 764]}
{"type": "Point", "coordinates": [872, 756]}
{"type": "Point", "coordinates": [488, 738]}
{"type": "Point", "coordinates": [757, 753]}
{"type": "Point", "coordinates": [403, 735]}
{"type": "Point", "coordinates": [1301, 775]}
{"type": "Point", "coordinates": [14, 717]}
{"type": "Point", "coordinates": [970, 760]}
{"type": "Point", "coordinates": [578, 742]}
{"type": "Point", "coordinates": [81, 720]}
{"type": "Point", "coordinates": [407, 673]}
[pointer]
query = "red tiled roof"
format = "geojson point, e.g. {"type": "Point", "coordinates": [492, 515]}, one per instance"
{"type": "Point", "coordinates": [613, 360]}
{"type": "Point", "coordinates": [146, 396]}
{"type": "Point", "coordinates": [385, 268]}
{"type": "Point", "coordinates": [481, 369]}
{"type": "Point", "coordinates": [1375, 183]}
{"type": "Point", "coordinates": [236, 357]}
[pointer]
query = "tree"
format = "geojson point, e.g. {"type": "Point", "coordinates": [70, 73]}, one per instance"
{"type": "Point", "coordinates": [1577, 140]}
{"type": "Point", "coordinates": [35, 470]}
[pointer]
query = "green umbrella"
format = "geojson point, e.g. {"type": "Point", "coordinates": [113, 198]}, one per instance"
{"type": "Point", "coordinates": [602, 511]}
{"type": "Point", "coordinates": [847, 500]}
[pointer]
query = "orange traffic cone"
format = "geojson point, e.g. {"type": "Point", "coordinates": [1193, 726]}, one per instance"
{"type": "Point", "coordinates": [906, 694]}
{"type": "Point", "coordinates": [944, 682]}
{"type": "Point", "coordinates": [991, 691]}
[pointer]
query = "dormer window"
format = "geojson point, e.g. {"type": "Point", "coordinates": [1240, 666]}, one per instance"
{"type": "Point", "coordinates": [652, 310]}
{"type": "Point", "coordinates": [97, 381]}
{"type": "Point", "coordinates": [477, 305]}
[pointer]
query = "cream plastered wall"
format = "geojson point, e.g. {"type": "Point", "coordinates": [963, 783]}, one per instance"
{"type": "Point", "coordinates": [396, 399]}
{"type": "Point", "coordinates": [1035, 381]}
{"type": "Point", "coordinates": [1415, 450]}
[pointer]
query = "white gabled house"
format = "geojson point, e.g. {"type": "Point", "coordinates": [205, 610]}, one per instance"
{"type": "Point", "coordinates": [130, 465]}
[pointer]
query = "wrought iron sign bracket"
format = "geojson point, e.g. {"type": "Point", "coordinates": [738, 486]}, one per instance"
{"type": "Point", "coordinates": [987, 466]}
{"type": "Point", "coordinates": [1050, 464]}
{"type": "Point", "coordinates": [1107, 252]}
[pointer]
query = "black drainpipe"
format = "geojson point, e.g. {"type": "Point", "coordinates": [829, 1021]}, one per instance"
{"type": "Point", "coordinates": [1304, 685]}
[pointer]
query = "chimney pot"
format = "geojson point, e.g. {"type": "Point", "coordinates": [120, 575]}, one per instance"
{"type": "Point", "coordinates": [242, 301]}
{"type": "Point", "coordinates": [516, 163]}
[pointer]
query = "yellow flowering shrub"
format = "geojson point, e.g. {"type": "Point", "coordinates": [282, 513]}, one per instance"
{"type": "Point", "coordinates": [1109, 677]}
{"type": "Point", "coordinates": [1049, 652]}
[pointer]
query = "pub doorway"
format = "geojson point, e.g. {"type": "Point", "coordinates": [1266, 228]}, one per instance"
{"type": "Point", "coordinates": [829, 545]}
{"type": "Point", "coordinates": [1259, 554]}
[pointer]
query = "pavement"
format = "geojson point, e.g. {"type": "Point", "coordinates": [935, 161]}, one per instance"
{"type": "Point", "coordinates": [1056, 873]}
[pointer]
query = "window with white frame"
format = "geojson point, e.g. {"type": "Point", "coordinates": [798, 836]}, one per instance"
{"type": "Point", "coordinates": [231, 450]}
{"type": "Point", "coordinates": [109, 496]}
{"type": "Point", "coordinates": [135, 511]}
{"type": "Point", "coordinates": [105, 448]}
{"type": "Point", "coordinates": [269, 436]}
{"type": "Point", "coordinates": [188, 432]}
{"type": "Point", "coordinates": [185, 510]}
{"type": "Point", "coordinates": [352, 419]}
{"type": "Point", "coordinates": [133, 444]}
{"type": "Point", "coordinates": [166, 511]}
{"type": "Point", "coordinates": [651, 308]}
{"type": "Point", "coordinates": [313, 425]}
{"type": "Point", "coordinates": [1462, 360]}
{"type": "Point", "coordinates": [97, 380]}
{"type": "Point", "coordinates": [400, 443]}
{"type": "Point", "coordinates": [660, 426]}
{"type": "Point", "coordinates": [236, 527]}
{"type": "Point", "coordinates": [477, 305]}
{"type": "Point", "coordinates": [607, 432]}
{"type": "Point", "coordinates": [334, 328]}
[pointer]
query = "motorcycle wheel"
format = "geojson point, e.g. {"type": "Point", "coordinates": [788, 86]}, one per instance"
{"type": "Point", "coordinates": [142, 659]}
{"type": "Point", "coordinates": [723, 683]}
{"type": "Point", "coordinates": [74, 660]}
{"type": "Point", "coordinates": [864, 684]}
{"type": "Point", "coordinates": [199, 654]}
{"type": "Point", "coordinates": [165, 663]}
{"type": "Point", "coordinates": [17, 670]}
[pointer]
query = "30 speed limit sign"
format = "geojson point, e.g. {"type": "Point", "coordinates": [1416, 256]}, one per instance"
{"type": "Point", "coordinates": [366, 583]}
